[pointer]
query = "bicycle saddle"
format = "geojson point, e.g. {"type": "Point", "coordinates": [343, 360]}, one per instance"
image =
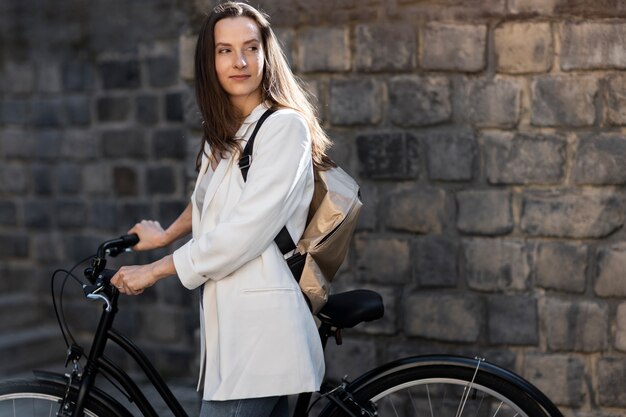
{"type": "Point", "coordinates": [347, 309]}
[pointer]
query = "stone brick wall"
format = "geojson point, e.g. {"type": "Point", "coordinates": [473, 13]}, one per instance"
{"type": "Point", "coordinates": [487, 137]}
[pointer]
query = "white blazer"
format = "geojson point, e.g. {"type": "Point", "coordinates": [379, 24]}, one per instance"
{"type": "Point", "coordinates": [259, 337]}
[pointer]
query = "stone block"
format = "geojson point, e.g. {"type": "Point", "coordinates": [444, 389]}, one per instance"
{"type": "Point", "coordinates": [18, 77]}
{"type": "Point", "coordinates": [533, 6]}
{"type": "Point", "coordinates": [41, 179]}
{"type": "Point", "coordinates": [14, 111]}
{"type": "Point", "coordinates": [193, 118]}
{"type": "Point", "coordinates": [611, 372]}
{"type": "Point", "coordinates": [385, 47]}
{"type": "Point", "coordinates": [161, 180]}
{"type": "Point", "coordinates": [113, 109]}
{"type": "Point", "coordinates": [77, 76]}
{"type": "Point", "coordinates": [47, 144]}
{"type": "Point", "coordinates": [495, 103]}
{"type": "Point", "coordinates": [450, 318]}
{"type": "Point", "coordinates": [599, 160]}
{"type": "Point", "coordinates": [382, 259]}
{"type": "Point", "coordinates": [453, 47]}
{"type": "Point", "coordinates": [13, 178]}
{"type": "Point", "coordinates": [125, 181]}
{"type": "Point", "coordinates": [186, 52]}
{"type": "Point", "coordinates": [37, 214]}
{"type": "Point", "coordinates": [169, 143]}
{"type": "Point", "coordinates": [620, 324]}
{"type": "Point", "coordinates": [496, 265]}
{"type": "Point", "coordinates": [523, 47]}
{"type": "Point", "coordinates": [512, 320]}
{"type": "Point", "coordinates": [168, 211]}
{"type": "Point", "coordinates": [368, 218]}
{"type": "Point", "coordinates": [563, 101]}
{"type": "Point", "coordinates": [103, 215]}
{"type": "Point", "coordinates": [450, 156]}
{"type": "Point", "coordinates": [47, 112]}
{"type": "Point", "coordinates": [314, 54]}
{"type": "Point", "coordinates": [524, 159]}
{"type": "Point", "coordinates": [419, 101]}
{"type": "Point", "coordinates": [162, 71]}
{"type": "Point", "coordinates": [134, 212]}
{"type": "Point", "coordinates": [13, 245]}
{"type": "Point", "coordinates": [484, 212]}
{"type": "Point", "coordinates": [355, 102]}
{"type": "Point", "coordinates": [77, 110]}
{"type": "Point", "coordinates": [147, 109]}
{"type": "Point", "coordinates": [416, 210]}
{"type": "Point", "coordinates": [8, 213]}
{"type": "Point", "coordinates": [120, 75]}
{"type": "Point", "coordinates": [125, 143]}
{"type": "Point", "coordinates": [69, 178]}
{"type": "Point", "coordinates": [576, 325]}
{"type": "Point", "coordinates": [435, 261]}
{"type": "Point", "coordinates": [48, 249]}
{"type": "Point", "coordinates": [560, 377]}
{"type": "Point", "coordinates": [97, 179]}
{"type": "Point", "coordinates": [162, 324]}
{"type": "Point", "coordinates": [579, 214]}
{"type": "Point", "coordinates": [388, 155]}
{"type": "Point", "coordinates": [79, 145]}
{"type": "Point", "coordinates": [352, 358]}
{"type": "Point", "coordinates": [561, 266]}
{"type": "Point", "coordinates": [615, 101]}
{"type": "Point", "coordinates": [16, 144]}
{"type": "Point", "coordinates": [71, 214]}
{"type": "Point", "coordinates": [174, 107]}
{"type": "Point", "coordinates": [49, 78]}
{"type": "Point", "coordinates": [609, 273]}
{"type": "Point", "coordinates": [592, 45]}
{"type": "Point", "coordinates": [286, 40]}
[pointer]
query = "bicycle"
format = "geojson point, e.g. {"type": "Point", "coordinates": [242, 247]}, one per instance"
{"type": "Point", "coordinates": [435, 385]}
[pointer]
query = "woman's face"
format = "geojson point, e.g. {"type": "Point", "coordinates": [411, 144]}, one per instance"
{"type": "Point", "coordinates": [239, 61]}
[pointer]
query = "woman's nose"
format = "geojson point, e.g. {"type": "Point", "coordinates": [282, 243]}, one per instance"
{"type": "Point", "coordinates": [240, 61]}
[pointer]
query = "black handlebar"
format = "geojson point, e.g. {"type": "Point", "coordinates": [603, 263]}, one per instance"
{"type": "Point", "coordinates": [117, 246]}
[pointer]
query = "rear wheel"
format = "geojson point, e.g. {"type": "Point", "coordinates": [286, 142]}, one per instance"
{"type": "Point", "coordinates": [446, 390]}
{"type": "Point", "coordinates": [33, 398]}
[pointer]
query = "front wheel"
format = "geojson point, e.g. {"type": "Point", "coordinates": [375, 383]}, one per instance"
{"type": "Point", "coordinates": [446, 390]}
{"type": "Point", "coordinates": [33, 398]}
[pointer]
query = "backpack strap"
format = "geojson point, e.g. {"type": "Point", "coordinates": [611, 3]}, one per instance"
{"type": "Point", "coordinates": [283, 239]}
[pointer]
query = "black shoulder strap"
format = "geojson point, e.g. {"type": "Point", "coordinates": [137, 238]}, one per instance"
{"type": "Point", "coordinates": [283, 239]}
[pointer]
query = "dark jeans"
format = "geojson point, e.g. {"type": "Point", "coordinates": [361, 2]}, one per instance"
{"type": "Point", "coordinates": [249, 407]}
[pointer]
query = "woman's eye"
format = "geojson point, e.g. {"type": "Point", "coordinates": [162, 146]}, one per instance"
{"type": "Point", "coordinates": [223, 51]}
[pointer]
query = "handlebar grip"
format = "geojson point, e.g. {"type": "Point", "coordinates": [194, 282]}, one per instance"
{"type": "Point", "coordinates": [130, 240]}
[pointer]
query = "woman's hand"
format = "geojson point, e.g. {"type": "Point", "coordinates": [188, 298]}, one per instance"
{"type": "Point", "coordinates": [151, 235]}
{"type": "Point", "coordinates": [133, 280]}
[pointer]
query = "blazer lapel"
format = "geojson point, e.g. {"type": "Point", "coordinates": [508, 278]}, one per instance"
{"type": "Point", "coordinates": [218, 176]}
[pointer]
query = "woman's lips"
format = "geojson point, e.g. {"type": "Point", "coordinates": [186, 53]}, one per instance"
{"type": "Point", "coordinates": [239, 77]}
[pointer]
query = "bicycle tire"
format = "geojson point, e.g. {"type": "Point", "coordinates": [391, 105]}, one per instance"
{"type": "Point", "coordinates": [436, 390]}
{"type": "Point", "coordinates": [34, 398]}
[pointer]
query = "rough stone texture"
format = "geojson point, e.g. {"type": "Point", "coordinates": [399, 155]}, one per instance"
{"type": "Point", "coordinates": [572, 214]}
{"type": "Point", "coordinates": [484, 212]}
{"type": "Point", "coordinates": [593, 45]}
{"type": "Point", "coordinates": [13, 178]}
{"type": "Point", "coordinates": [496, 265]}
{"type": "Point", "coordinates": [314, 54]}
{"type": "Point", "coordinates": [77, 110]}
{"type": "Point", "coordinates": [453, 47]}
{"type": "Point", "coordinates": [532, 6]}
{"type": "Point", "coordinates": [113, 109]}
{"type": "Point", "coordinates": [451, 156]}
{"type": "Point", "coordinates": [352, 358]}
{"type": "Point", "coordinates": [419, 101]}
{"type": "Point", "coordinates": [495, 103]}
{"type": "Point", "coordinates": [523, 48]}
{"type": "Point", "coordinates": [120, 74]}
{"type": "Point", "coordinates": [452, 318]}
{"type": "Point", "coordinates": [161, 180]}
{"type": "Point", "coordinates": [147, 109]}
{"type": "Point", "coordinates": [563, 101]}
{"type": "Point", "coordinates": [620, 324]}
{"type": "Point", "coordinates": [616, 99]}
{"type": "Point", "coordinates": [170, 143]}
{"type": "Point", "coordinates": [174, 107]}
{"type": "Point", "coordinates": [417, 210]}
{"type": "Point", "coordinates": [611, 373]}
{"type": "Point", "coordinates": [388, 155]}
{"type": "Point", "coordinates": [124, 143]}
{"type": "Point", "coordinates": [354, 102]}
{"type": "Point", "coordinates": [610, 261]}
{"type": "Point", "coordinates": [369, 249]}
{"type": "Point", "coordinates": [385, 47]}
{"type": "Point", "coordinates": [599, 159]}
{"type": "Point", "coordinates": [435, 261]}
{"type": "Point", "coordinates": [561, 266]}
{"type": "Point", "coordinates": [524, 159]}
{"type": "Point", "coordinates": [521, 310]}
{"type": "Point", "coordinates": [576, 325]}
{"type": "Point", "coordinates": [162, 71]}
{"type": "Point", "coordinates": [560, 377]}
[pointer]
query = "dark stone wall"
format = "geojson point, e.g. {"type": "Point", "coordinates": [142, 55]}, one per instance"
{"type": "Point", "coordinates": [487, 137]}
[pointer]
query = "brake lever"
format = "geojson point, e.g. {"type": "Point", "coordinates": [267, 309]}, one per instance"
{"type": "Point", "coordinates": [93, 292]}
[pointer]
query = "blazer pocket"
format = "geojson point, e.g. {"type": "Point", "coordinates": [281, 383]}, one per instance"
{"type": "Point", "coordinates": [252, 291]}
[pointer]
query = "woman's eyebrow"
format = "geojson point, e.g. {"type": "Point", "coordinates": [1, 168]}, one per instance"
{"type": "Point", "coordinates": [217, 44]}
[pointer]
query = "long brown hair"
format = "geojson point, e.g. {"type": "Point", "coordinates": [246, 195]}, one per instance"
{"type": "Point", "coordinates": [280, 88]}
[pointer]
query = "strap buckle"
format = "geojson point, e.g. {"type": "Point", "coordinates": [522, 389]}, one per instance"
{"type": "Point", "coordinates": [245, 161]}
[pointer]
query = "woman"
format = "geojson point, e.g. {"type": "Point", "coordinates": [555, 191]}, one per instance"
{"type": "Point", "coordinates": [260, 342]}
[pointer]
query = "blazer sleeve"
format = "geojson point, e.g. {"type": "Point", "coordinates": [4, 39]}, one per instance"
{"type": "Point", "coordinates": [275, 187]}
